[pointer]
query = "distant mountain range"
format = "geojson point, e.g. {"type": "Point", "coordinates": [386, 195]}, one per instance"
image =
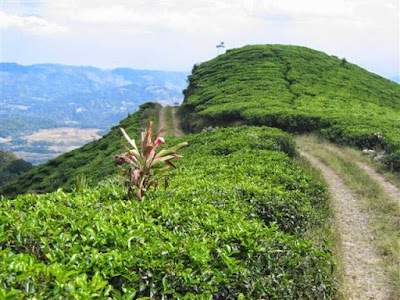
{"type": "Point", "coordinates": [47, 96]}
{"type": "Point", "coordinates": [82, 96]}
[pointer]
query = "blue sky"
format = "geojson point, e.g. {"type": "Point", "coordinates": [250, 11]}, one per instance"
{"type": "Point", "coordinates": [173, 35]}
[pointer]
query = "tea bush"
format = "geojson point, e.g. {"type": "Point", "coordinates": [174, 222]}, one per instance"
{"type": "Point", "coordinates": [296, 89]}
{"type": "Point", "coordinates": [230, 226]}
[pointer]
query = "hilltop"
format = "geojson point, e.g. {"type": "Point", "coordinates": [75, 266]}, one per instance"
{"type": "Point", "coordinates": [299, 90]}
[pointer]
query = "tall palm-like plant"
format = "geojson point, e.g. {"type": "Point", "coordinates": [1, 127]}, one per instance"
{"type": "Point", "coordinates": [140, 164]}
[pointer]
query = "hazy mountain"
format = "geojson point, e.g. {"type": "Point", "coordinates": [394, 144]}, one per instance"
{"type": "Point", "coordinates": [82, 96]}
{"type": "Point", "coordinates": [47, 96]}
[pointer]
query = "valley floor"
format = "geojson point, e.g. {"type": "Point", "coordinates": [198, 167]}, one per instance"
{"type": "Point", "coordinates": [367, 214]}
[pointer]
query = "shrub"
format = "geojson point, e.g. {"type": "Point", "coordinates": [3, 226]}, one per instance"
{"type": "Point", "coordinates": [393, 161]}
{"type": "Point", "coordinates": [139, 175]}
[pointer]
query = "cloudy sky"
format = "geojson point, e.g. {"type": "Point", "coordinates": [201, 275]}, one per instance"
{"type": "Point", "coordinates": [175, 34]}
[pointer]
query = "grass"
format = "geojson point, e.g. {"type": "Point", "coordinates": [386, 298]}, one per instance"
{"type": "Point", "coordinates": [384, 211]}
{"type": "Point", "coordinates": [168, 124]}
{"type": "Point", "coordinates": [392, 177]}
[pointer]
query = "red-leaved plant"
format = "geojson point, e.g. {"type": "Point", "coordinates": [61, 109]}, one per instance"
{"type": "Point", "coordinates": [140, 171]}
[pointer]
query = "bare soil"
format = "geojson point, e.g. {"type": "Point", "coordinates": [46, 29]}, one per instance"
{"type": "Point", "coordinates": [64, 135]}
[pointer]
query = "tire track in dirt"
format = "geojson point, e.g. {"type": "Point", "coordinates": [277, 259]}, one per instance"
{"type": "Point", "coordinates": [392, 190]}
{"type": "Point", "coordinates": [363, 271]}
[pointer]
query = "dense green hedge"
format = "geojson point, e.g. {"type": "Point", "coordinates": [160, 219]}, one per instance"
{"type": "Point", "coordinates": [94, 159]}
{"type": "Point", "coordinates": [230, 226]}
{"type": "Point", "coordinates": [296, 89]}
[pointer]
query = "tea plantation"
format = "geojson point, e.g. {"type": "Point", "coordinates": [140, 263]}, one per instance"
{"type": "Point", "coordinates": [231, 225]}
{"type": "Point", "coordinates": [240, 218]}
{"type": "Point", "coordinates": [299, 90]}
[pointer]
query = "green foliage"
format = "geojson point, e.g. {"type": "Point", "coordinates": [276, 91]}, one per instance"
{"type": "Point", "coordinates": [80, 183]}
{"type": "Point", "coordinates": [6, 157]}
{"type": "Point", "coordinates": [220, 231]}
{"type": "Point", "coordinates": [11, 166]}
{"type": "Point", "coordinates": [141, 170]}
{"type": "Point", "coordinates": [296, 89]}
{"type": "Point", "coordinates": [393, 161]}
{"type": "Point", "coordinates": [94, 160]}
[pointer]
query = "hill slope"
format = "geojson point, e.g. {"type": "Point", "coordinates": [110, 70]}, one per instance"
{"type": "Point", "coordinates": [296, 89]}
{"type": "Point", "coordinates": [93, 160]}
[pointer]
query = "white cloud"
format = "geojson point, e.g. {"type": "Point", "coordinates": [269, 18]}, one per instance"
{"type": "Point", "coordinates": [31, 24]}
{"type": "Point", "coordinates": [150, 33]}
{"type": "Point", "coordinates": [159, 17]}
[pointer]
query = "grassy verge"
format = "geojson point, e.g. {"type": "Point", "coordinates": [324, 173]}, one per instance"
{"type": "Point", "coordinates": [150, 113]}
{"type": "Point", "coordinates": [382, 169]}
{"type": "Point", "coordinates": [384, 211]}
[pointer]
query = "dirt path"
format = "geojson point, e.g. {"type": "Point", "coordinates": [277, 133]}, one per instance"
{"type": "Point", "coordinates": [177, 130]}
{"type": "Point", "coordinates": [389, 188]}
{"type": "Point", "coordinates": [364, 276]}
{"type": "Point", "coordinates": [168, 120]}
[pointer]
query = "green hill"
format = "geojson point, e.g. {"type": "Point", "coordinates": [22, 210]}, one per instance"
{"type": "Point", "coordinates": [299, 90]}
{"type": "Point", "coordinates": [293, 88]}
